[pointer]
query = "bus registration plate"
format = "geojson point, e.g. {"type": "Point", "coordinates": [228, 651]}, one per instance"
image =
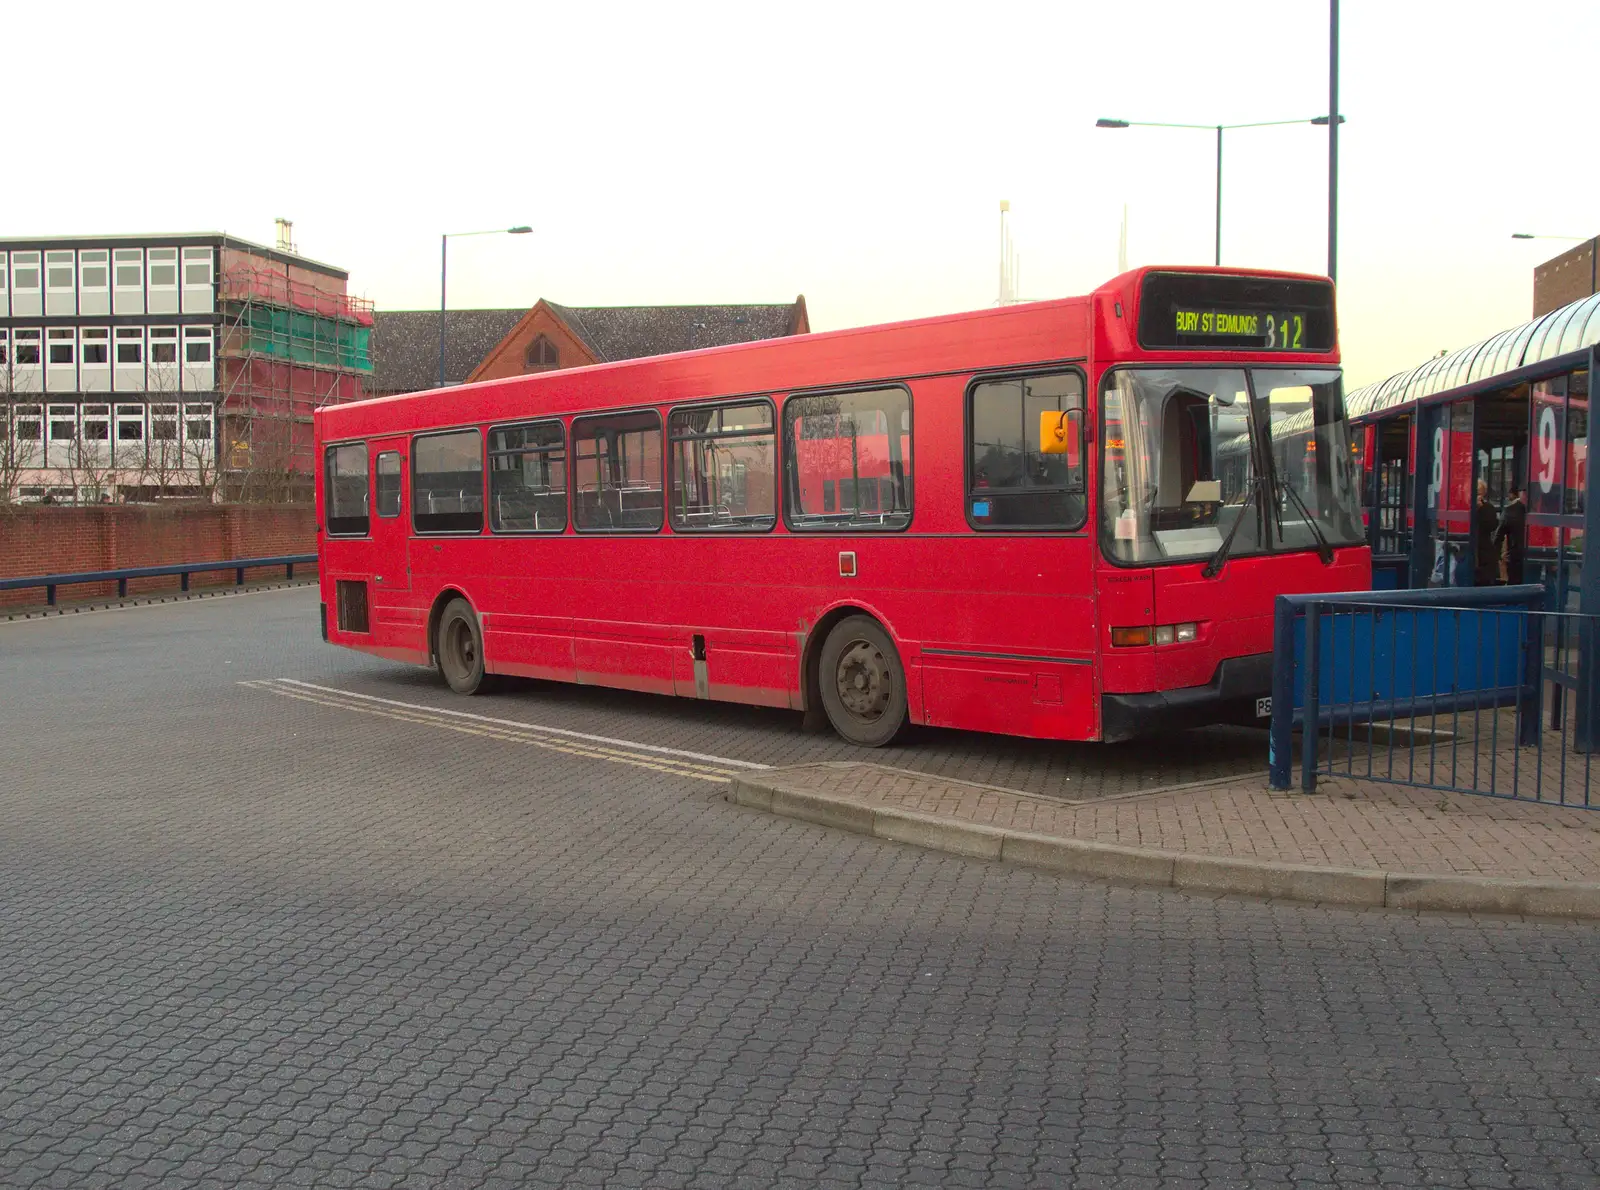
{"type": "Point", "coordinates": [1263, 708]}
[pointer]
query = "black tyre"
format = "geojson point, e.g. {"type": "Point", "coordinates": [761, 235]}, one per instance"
{"type": "Point", "coordinates": [862, 682]}
{"type": "Point", "coordinates": [460, 649]}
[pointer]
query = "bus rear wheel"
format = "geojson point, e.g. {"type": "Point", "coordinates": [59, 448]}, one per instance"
{"type": "Point", "coordinates": [460, 649]}
{"type": "Point", "coordinates": [862, 682]}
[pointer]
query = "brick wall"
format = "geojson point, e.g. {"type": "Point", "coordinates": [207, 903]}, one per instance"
{"type": "Point", "coordinates": [37, 539]}
{"type": "Point", "coordinates": [1564, 278]}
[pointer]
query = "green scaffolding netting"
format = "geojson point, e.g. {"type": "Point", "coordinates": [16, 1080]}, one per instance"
{"type": "Point", "coordinates": [306, 339]}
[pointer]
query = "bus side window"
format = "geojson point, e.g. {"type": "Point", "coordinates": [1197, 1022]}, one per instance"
{"type": "Point", "coordinates": [1011, 482]}
{"type": "Point", "coordinates": [722, 467]}
{"type": "Point", "coordinates": [617, 471]}
{"type": "Point", "coordinates": [848, 460]}
{"type": "Point", "coordinates": [388, 484]}
{"type": "Point", "coordinates": [447, 482]}
{"type": "Point", "coordinates": [528, 478]}
{"type": "Point", "coordinates": [345, 490]}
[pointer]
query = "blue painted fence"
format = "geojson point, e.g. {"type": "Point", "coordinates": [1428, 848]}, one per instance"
{"type": "Point", "coordinates": [1352, 663]}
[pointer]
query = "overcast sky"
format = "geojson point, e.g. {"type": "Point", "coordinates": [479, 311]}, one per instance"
{"type": "Point", "coordinates": [853, 152]}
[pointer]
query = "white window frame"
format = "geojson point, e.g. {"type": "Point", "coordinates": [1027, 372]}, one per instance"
{"type": "Point", "coordinates": [61, 377]}
{"type": "Point", "coordinates": [198, 296]}
{"type": "Point", "coordinates": [94, 258]}
{"type": "Point", "coordinates": [128, 378]}
{"type": "Point", "coordinates": [130, 452]}
{"type": "Point", "coordinates": [54, 415]}
{"type": "Point", "coordinates": [29, 260]}
{"type": "Point", "coordinates": [27, 378]}
{"type": "Point", "coordinates": [163, 377]}
{"type": "Point", "coordinates": [156, 258]}
{"type": "Point", "coordinates": [127, 299]}
{"type": "Point", "coordinates": [100, 447]}
{"type": "Point", "coordinates": [198, 376]}
{"type": "Point", "coordinates": [166, 412]}
{"type": "Point", "coordinates": [94, 378]}
{"type": "Point", "coordinates": [60, 300]}
{"type": "Point", "coordinates": [193, 412]}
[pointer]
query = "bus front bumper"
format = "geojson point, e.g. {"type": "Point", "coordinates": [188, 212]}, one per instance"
{"type": "Point", "coordinates": [1229, 697]}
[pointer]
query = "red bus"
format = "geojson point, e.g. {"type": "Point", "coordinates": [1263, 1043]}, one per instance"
{"type": "Point", "coordinates": [1063, 519]}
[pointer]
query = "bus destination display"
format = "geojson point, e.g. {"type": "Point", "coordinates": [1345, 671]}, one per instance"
{"type": "Point", "coordinates": [1268, 330]}
{"type": "Point", "coordinates": [1227, 312]}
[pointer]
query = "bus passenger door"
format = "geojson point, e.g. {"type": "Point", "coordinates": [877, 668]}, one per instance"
{"type": "Point", "coordinates": [391, 528]}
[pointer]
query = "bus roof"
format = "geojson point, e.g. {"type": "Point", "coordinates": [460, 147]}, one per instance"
{"type": "Point", "coordinates": [1022, 335]}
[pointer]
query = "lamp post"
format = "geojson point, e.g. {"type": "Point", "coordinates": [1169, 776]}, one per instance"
{"type": "Point", "coordinates": [444, 246]}
{"type": "Point", "coordinates": [1219, 129]}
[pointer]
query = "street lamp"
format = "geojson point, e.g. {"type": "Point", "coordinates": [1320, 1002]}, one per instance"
{"type": "Point", "coordinates": [1219, 129]}
{"type": "Point", "coordinates": [444, 244]}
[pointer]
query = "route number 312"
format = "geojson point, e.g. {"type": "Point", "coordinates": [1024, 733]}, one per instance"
{"type": "Point", "coordinates": [1286, 335]}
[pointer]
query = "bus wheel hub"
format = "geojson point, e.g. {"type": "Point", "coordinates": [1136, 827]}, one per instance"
{"type": "Point", "coordinates": [863, 680]}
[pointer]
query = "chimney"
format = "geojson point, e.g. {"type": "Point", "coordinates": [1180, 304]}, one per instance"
{"type": "Point", "coordinates": [286, 235]}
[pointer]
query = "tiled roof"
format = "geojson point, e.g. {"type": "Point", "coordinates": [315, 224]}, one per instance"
{"type": "Point", "coordinates": [405, 345]}
{"type": "Point", "coordinates": [630, 332]}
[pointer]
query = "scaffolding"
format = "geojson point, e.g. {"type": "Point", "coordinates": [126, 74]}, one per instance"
{"type": "Point", "coordinates": [288, 347]}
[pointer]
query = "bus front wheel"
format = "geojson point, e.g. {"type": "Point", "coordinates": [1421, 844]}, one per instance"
{"type": "Point", "coordinates": [862, 682]}
{"type": "Point", "coordinates": [460, 648]}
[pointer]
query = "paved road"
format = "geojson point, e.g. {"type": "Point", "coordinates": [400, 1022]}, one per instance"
{"type": "Point", "coordinates": [274, 934]}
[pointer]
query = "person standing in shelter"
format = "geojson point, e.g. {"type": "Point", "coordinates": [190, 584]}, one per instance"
{"type": "Point", "coordinates": [1485, 550]}
{"type": "Point", "coordinates": [1512, 530]}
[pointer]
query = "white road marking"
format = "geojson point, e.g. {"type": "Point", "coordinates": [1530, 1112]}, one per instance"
{"type": "Point", "coordinates": [521, 726]}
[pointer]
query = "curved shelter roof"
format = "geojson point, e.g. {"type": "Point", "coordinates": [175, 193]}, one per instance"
{"type": "Point", "coordinates": [1571, 328]}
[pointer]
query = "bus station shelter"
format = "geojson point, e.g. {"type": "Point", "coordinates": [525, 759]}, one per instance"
{"type": "Point", "coordinates": [1512, 410]}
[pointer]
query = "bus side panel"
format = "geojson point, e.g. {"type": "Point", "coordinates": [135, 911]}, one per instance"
{"type": "Point", "coordinates": [1032, 699]}
{"type": "Point", "coordinates": [1009, 645]}
{"type": "Point", "coordinates": [530, 647]}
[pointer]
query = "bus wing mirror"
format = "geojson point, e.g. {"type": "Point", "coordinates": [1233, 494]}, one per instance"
{"type": "Point", "coordinates": [1061, 433]}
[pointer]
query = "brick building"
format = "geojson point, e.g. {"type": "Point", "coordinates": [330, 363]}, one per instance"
{"type": "Point", "coordinates": [142, 367]}
{"type": "Point", "coordinates": [1564, 279]}
{"type": "Point", "coordinates": [493, 344]}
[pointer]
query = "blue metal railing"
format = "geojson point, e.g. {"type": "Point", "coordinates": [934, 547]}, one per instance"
{"type": "Point", "coordinates": [1439, 689]}
{"type": "Point", "coordinates": [50, 582]}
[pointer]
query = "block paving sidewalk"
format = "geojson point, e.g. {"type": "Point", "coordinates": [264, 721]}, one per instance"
{"type": "Point", "coordinates": [1347, 824]}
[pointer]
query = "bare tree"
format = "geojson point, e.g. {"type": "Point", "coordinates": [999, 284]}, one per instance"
{"type": "Point", "coordinates": [21, 437]}
{"type": "Point", "coordinates": [162, 471]}
{"type": "Point", "coordinates": [89, 469]}
{"type": "Point", "coordinates": [199, 452]}
{"type": "Point", "coordinates": [20, 441]}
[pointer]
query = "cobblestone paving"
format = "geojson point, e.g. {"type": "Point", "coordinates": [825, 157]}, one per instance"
{"type": "Point", "coordinates": [1347, 824]}
{"type": "Point", "coordinates": [256, 941]}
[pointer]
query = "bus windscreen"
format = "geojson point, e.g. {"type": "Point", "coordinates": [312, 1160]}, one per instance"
{"type": "Point", "coordinates": [1221, 313]}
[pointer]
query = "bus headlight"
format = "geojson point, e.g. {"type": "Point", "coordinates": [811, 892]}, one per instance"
{"type": "Point", "coordinates": [1161, 634]}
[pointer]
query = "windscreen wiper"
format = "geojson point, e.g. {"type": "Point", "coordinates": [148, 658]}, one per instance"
{"type": "Point", "coordinates": [1324, 549]}
{"type": "Point", "coordinates": [1220, 558]}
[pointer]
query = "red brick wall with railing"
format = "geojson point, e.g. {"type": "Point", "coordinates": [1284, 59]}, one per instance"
{"type": "Point", "coordinates": [38, 539]}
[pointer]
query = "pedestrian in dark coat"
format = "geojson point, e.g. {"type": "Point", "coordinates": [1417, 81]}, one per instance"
{"type": "Point", "coordinates": [1485, 554]}
{"type": "Point", "coordinates": [1513, 531]}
